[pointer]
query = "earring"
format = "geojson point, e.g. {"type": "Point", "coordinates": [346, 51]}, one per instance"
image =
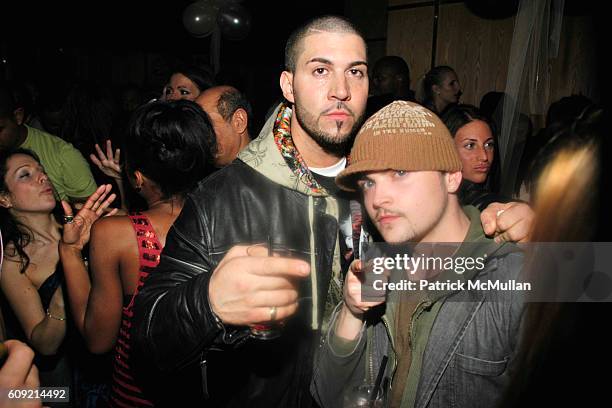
{"type": "Point", "coordinates": [138, 188]}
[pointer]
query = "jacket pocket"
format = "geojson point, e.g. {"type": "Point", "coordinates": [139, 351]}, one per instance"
{"type": "Point", "coordinates": [479, 366]}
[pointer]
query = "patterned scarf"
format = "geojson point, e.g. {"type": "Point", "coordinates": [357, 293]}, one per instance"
{"type": "Point", "coordinates": [284, 142]}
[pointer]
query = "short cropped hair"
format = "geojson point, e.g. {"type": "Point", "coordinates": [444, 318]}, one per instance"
{"type": "Point", "coordinates": [230, 101]}
{"type": "Point", "coordinates": [330, 24]}
{"type": "Point", "coordinates": [396, 64]}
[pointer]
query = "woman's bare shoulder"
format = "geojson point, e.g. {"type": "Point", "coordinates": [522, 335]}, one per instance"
{"type": "Point", "coordinates": [114, 230]}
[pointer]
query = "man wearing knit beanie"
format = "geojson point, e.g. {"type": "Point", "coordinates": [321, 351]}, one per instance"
{"type": "Point", "coordinates": [406, 167]}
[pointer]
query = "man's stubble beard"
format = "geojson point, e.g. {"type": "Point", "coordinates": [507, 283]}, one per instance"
{"type": "Point", "coordinates": [334, 144]}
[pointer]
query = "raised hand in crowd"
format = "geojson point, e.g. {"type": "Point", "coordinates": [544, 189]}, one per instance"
{"type": "Point", "coordinates": [77, 228]}
{"type": "Point", "coordinates": [109, 163]}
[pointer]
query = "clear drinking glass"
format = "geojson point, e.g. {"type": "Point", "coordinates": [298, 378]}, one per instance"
{"type": "Point", "coordinates": [361, 397]}
{"type": "Point", "coordinates": [273, 330]}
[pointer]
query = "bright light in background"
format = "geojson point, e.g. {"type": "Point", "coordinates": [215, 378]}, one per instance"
{"type": "Point", "coordinates": [197, 19]}
{"type": "Point", "coordinates": [236, 21]}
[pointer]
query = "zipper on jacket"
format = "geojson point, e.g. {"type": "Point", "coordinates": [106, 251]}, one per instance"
{"type": "Point", "coordinates": [371, 355]}
{"type": "Point", "coordinates": [203, 364]}
{"type": "Point", "coordinates": [386, 324]}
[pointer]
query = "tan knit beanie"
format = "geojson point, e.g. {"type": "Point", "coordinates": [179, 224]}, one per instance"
{"type": "Point", "coordinates": [401, 136]}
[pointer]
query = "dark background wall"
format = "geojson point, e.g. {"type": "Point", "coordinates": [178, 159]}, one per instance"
{"type": "Point", "coordinates": [136, 41]}
{"type": "Point", "coordinates": [121, 42]}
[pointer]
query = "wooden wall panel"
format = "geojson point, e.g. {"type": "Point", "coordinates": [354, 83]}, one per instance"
{"type": "Point", "coordinates": [478, 50]}
{"type": "Point", "coordinates": [574, 71]}
{"type": "Point", "coordinates": [409, 35]}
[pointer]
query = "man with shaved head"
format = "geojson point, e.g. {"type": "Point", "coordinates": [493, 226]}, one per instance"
{"type": "Point", "coordinates": [199, 317]}
{"type": "Point", "coordinates": [229, 112]}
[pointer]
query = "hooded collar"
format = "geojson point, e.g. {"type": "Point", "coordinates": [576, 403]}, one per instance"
{"type": "Point", "coordinates": [274, 155]}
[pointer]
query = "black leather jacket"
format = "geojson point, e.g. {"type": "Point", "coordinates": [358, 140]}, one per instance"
{"type": "Point", "coordinates": [175, 330]}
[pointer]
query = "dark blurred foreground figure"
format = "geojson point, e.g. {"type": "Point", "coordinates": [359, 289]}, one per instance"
{"type": "Point", "coordinates": [390, 82]}
{"type": "Point", "coordinates": [560, 115]}
{"type": "Point", "coordinates": [564, 347]}
{"type": "Point", "coordinates": [17, 372]}
{"type": "Point", "coordinates": [169, 148]}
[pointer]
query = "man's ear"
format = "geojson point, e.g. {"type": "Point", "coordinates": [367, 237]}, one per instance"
{"type": "Point", "coordinates": [5, 200]}
{"type": "Point", "coordinates": [19, 115]}
{"type": "Point", "coordinates": [240, 120]}
{"type": "Point", "coordinates": [453, 181]}
{"type": "Point", "coordinates": [286, 84]}
{"type": "Point", "coordinates": [436, 89]}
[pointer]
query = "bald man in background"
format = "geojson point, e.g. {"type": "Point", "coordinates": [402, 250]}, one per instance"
{"type": "Point", "coordinates": [229, 112]}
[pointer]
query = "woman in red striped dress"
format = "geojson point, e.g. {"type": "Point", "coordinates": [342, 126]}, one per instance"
{"type": "Point", "coordinates": [169, 147]}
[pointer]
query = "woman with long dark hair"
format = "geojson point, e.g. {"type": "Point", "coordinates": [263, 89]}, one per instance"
{"type": "Point", "coordinates": [32, 276]}
{"type": "Point", "coordinates": [476, 144]}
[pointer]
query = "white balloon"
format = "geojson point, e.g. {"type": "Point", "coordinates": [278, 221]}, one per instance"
{"type": "Point", "coordinates": [200, 18]}
{"type": "Point", "coordinates": [234, 21]}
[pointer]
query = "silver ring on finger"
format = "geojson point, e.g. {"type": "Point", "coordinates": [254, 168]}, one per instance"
{"type": "Point", "coordinates": [273, 311]}
{"type": "Point", "coordinates": [68, 219]}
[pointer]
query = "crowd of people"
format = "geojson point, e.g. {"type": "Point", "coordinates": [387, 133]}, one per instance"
{"type": "Point", "coordinates": [145, 277]}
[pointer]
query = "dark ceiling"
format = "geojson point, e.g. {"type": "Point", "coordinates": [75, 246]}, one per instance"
{"type": "Point", "coordinates": [131, 25]}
